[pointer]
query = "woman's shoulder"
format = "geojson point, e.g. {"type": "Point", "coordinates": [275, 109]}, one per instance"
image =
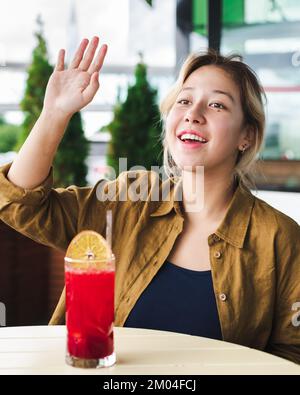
{"type": "Point", "coordinates": [274, 218]}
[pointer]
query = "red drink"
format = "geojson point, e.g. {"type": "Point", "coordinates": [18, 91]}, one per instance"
{"type": "Point", "coordinates": [90, 310]}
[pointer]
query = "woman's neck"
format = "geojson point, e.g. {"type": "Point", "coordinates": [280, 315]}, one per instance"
{"type": "Point", "coordinates": [206, 197]}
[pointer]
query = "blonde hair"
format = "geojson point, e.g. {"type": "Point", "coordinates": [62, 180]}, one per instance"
{"type": "Point", "coordinates": [251, 95]}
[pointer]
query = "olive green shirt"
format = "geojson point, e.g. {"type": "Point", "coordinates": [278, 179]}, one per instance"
{"type": "Point", "coordinates": [254, 254]}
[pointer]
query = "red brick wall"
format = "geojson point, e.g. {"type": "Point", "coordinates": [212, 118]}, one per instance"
{"type": "Point", "coordinates": [31, 278]}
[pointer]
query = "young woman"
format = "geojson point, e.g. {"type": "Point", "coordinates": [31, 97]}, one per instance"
{"type": "Point", "coordinates": [220, 263]}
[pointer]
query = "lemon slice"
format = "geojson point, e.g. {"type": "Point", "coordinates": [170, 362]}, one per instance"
{"type": "Point", "coordinates": [89, 245]}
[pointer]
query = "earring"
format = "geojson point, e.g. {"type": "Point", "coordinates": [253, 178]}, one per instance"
{"type": "Point", "coordinates": [243, 149]}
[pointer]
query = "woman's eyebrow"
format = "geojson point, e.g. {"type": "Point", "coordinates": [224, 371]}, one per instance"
{"type": "Point", "coordinates": [187, 88]}
{"type": "Point", "coordinates": [224, 93]}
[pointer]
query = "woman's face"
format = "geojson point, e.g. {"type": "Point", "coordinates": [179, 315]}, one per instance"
{"type": "Point", "coordinates": [207, 106]}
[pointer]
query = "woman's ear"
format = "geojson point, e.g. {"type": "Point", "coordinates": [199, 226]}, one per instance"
{"type": "Point", "coordinates": [247, 136]}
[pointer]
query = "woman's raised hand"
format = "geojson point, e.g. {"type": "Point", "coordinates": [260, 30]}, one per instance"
{"type": "Point", "coordinates": [68, 91]}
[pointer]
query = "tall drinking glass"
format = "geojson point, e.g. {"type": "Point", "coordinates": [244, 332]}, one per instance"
{"type": "Point", "coordinates": [90, 312]}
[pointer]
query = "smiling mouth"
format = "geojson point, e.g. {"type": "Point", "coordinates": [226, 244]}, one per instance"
{"type": "Point", "coordinates": [189, 137]}
{"type": "Point", "coordinates": [191, 141]}
{"type": "Point", "coordinates": [191, 144]}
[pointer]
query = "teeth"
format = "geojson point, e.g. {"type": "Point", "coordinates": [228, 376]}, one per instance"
{"type": "Point", "coordinates": [187, 136]}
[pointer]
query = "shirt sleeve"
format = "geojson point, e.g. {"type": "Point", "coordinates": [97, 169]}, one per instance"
{"type": "Point", "coordinates": [285, 338]}
{"type": "Point", "coordinates": [49, 216]}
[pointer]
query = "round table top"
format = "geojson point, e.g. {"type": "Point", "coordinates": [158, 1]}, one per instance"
{"type": "Point", "coordinates": [41, 350]}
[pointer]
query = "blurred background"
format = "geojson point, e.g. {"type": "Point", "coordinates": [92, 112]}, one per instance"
{"type": "Point", "coordinates": [148, 41]}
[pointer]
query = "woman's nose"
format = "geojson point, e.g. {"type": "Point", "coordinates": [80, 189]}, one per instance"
{"type": "Point", "coordinates": [195, 114]}
{"type": "Point", "coordinates": [193, 118]}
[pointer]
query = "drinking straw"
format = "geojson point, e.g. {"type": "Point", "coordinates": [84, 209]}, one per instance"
{"type": "Point", "coordinates": [109, 227]}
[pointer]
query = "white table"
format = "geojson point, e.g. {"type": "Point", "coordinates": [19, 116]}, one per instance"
{"type": "Point", "coordinates": [41, 350]}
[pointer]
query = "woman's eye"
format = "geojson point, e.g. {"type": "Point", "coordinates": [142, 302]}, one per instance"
{"type": "Point", "coordinates": [183, 100]}
{"type": "Point", "coordinates": [219, 105]}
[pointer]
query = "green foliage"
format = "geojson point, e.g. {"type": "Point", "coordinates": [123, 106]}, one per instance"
{"type": "Point", "coordinates": [8, 136]}
{"type": "Point", "coordinates": [69, 166]}
{"type": "Point", "coordinates": [39, 72]}
{"type": "Point", "coordinates": [69, 162]}
{"type": "Point", "coordinates": [135, 129]}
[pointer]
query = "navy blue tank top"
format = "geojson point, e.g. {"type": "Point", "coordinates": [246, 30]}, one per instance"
{"type": "Point", "coordinates": [178, 300]}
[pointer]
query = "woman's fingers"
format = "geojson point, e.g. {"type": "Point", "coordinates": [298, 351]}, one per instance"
{"type": "Point", "coordinates": [60, 64]}
{"type": "Point", "coordinates": [98, 62]}
{"type": "Point", "coordinates": [89, 55]}
{"type": "Point", "coordinates": [92, 88]}
{"type": "Point", "coordinates": [79, 54]}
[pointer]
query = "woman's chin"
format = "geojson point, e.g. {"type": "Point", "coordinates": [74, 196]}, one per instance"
{"type": "Point", "coordinates": [194, 169]}
{"type": "Point", "coordinates": [190, 165]}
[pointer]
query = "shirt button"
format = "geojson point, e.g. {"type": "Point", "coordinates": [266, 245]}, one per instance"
{"type": "Point", "coordinates": [222, 297]}
{"type": "Point", "coordinates": [217, 254]}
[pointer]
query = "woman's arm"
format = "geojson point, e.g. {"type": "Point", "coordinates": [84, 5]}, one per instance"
{"type": "Point", "coordinates": [28, 203]}
{"type": "Point", "coordinates": [285, 337]}
{"type": "Point", "coordinates": [67, 92]}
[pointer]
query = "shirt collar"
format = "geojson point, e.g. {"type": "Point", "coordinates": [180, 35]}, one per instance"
{"type": "Point", "coordinates": [234, 226]}
{"type": "Point", "coordinates": [171, 200]}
